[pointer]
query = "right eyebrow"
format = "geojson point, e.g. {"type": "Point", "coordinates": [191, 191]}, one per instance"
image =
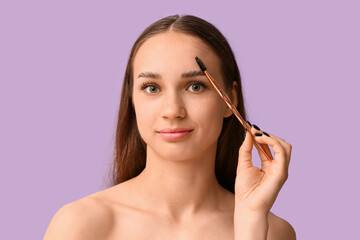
{"type": "Point", "coordinates": [149, 75]}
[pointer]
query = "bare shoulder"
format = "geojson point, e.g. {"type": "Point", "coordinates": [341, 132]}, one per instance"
{"type": "Point", "coordinates": [87, 218]}
{"type": "Point", "coordinates": [280, 229]}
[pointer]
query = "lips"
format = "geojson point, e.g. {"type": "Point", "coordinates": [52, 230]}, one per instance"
{"type": "Point", "coordinates": [174, 133]}
{"type": "Point", "coordinates": [175, 130]}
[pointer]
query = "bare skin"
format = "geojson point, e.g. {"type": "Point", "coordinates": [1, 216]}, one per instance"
{"type": "Point", "coordinates": [104, 216]}
{"type": "Point", "coordinates": [177, 196]}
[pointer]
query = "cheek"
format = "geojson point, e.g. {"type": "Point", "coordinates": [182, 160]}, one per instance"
{"type": "Point", "coordinates": [145, 114]}
{"type": "Point", "coordinates": [209, 114]}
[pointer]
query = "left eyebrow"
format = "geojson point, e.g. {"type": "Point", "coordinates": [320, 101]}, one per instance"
{"type": "Point", "coordinates": [191, 74]}
{"type": "Point", "coordinates": [188, 74]}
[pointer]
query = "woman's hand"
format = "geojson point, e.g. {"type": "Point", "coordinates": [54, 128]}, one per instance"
{"type": "Point", "coordinates": [256, 189]}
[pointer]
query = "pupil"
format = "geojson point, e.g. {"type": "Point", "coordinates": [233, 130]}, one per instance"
{"type": "Point", "coordinates": [195, 87]}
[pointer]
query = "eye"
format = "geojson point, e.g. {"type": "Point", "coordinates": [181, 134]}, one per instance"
{"type": "Point", "coordinates": [150, 88]}
{"type": "Point", "coordinates": [197, 86]}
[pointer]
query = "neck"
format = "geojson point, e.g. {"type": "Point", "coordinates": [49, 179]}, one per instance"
{"type": "Point", "coordinates": [182, 187]}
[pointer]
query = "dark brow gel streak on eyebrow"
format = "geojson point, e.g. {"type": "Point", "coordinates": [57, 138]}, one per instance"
{"type": "Point", "coordinates": [188, 74]}
{"type": "Point", "coordinates": [191, 74]}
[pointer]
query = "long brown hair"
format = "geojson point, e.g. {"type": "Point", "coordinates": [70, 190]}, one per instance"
{"type": "Point", "coordinates": [130, 150]}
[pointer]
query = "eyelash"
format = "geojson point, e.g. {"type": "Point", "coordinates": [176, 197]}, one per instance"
{"type": "Point", "coordinates": [152, 84]}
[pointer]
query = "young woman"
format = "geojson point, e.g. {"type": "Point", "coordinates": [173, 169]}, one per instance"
{"type": "Point", "coordinates": [182, 165]}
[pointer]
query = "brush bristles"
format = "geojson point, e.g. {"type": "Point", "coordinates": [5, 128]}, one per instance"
{"type": "Point", "coordinates": [201, 64]}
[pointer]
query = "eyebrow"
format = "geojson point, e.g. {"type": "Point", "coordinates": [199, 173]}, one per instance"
{"type": "Point", "coordinates": [188, 74]}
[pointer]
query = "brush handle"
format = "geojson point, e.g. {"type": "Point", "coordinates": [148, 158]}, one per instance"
{"type": "Point", "coordinates": [228, 102]}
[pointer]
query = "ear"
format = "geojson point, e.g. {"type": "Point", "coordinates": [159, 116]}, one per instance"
{"type": "Point", "coordinates": [234, 99]}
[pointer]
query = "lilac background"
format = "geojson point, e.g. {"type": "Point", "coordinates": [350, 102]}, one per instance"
{"type": "Point", "coordinates": [61, 67]}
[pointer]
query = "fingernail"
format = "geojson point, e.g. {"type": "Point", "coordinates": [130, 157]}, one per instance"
{"type": "Point", "coordinates": [244, 134]}
{"type": "Point", "coordinates": [249, 123]}
{"type": "Point", "coordinates": [266, 134]}
{"type": "Point", "coordinates": [256, 127]}
{"type": "Point", "coordinates": [258, 134]}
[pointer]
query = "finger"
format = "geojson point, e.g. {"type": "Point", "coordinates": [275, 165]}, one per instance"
{"type": "Point", "coordinates": [245, 156]}
{"type": "Point", "coordinates": [279, 150]}
{"type": "Point", "coordinates": [266, 148]}
{"type": "Point", "coordinates": [287, 146]}
{"type": "Point", "coordinates": [281, 140]}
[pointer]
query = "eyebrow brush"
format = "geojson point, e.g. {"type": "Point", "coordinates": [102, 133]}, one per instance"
{"type": "Point", "coordinates": [228, 102]}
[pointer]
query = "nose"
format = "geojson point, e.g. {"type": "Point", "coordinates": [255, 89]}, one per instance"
{"type": "Point", "coordinates": [173, 106]}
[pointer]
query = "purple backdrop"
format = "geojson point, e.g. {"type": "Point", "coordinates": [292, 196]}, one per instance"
{"type": "Point", "coordinates": [61, 67]}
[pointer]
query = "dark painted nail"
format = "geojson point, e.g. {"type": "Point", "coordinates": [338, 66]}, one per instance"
{"type": "Point", "coordinates": [256, 127]}
{"type": "Point", "coordinates": [266, 134]}
{"type": "Point", "coordinates": [258, 134]}
{"type": "Point", "coordinates": [249, 123]}
{"type": "Point", "coordinates": [244, 134]}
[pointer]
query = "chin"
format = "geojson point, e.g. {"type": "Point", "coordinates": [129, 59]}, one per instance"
{"type": "Point", "coordinates": [181, 152]}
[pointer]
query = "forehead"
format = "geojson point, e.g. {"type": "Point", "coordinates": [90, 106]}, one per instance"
{"type": "Point", "coordinates": [172, 52]}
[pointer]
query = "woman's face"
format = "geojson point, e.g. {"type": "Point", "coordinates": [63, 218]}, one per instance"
{"type": "Point", "coordinates": [179, 115]}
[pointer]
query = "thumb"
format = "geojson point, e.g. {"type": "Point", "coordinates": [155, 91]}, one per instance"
{"type": "Point", "coordinates": [245, 156]}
